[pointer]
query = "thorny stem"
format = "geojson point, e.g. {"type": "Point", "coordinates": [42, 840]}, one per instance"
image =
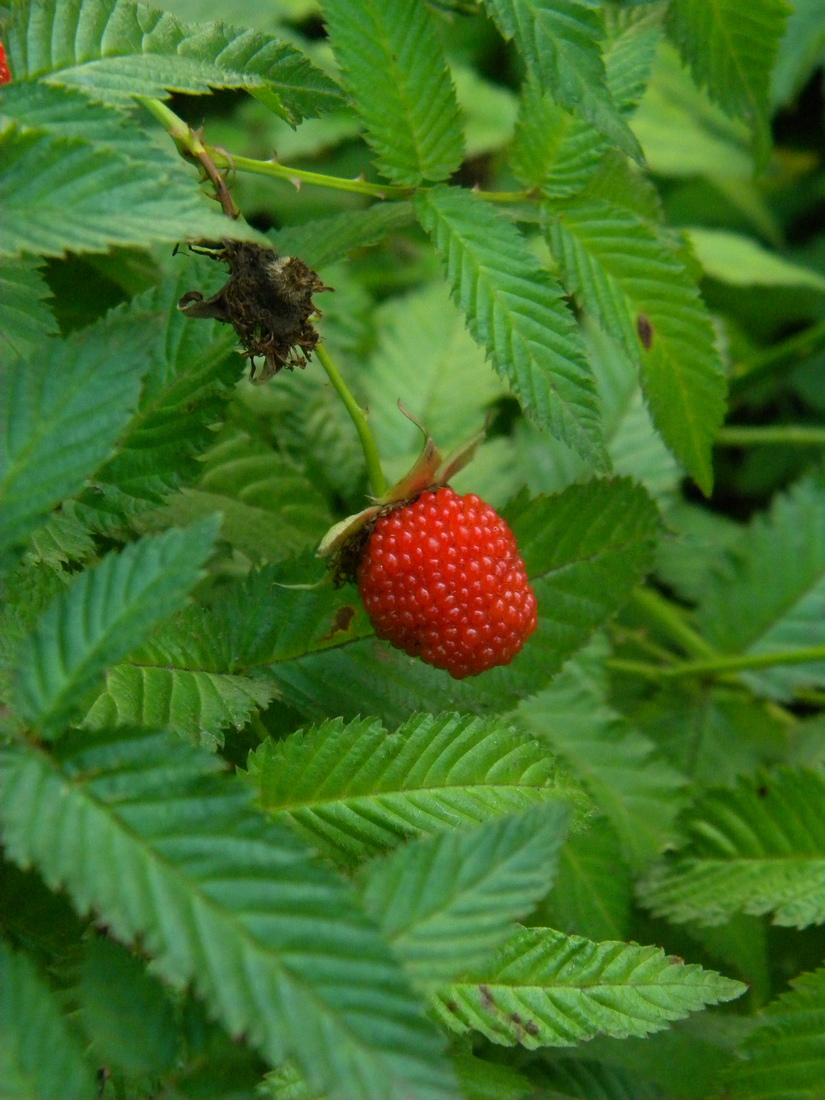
{"type": "Point", "coordinates": [796, 435]}
{"type": "Point", "coordinates": [671, 621]}
{"type": "Point", "coordinates": [191, 146]}
{"type": "Point", "coordinates": [376, 474]}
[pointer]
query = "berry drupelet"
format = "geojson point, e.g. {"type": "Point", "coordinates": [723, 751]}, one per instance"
{"type": "Point", "coordinates": [442, 579]}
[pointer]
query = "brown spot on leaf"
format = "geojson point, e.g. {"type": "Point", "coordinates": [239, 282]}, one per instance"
{"type": "Point", "coordinates": [341, 621]}
{"type": "Point", "coordinates": [486, 996]}
{"type": "Point", "coordinates": [762, 791]}
{"type": "Point", "coordinates": [645, 331]}
{"type": "Point", "coordinates": [532, 1028]}
{"type": "Point", "coordinates": [452, 1006]}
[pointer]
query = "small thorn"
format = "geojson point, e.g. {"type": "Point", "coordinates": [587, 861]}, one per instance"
{"type": "Point", "coordinates": [296, 183]}
{"type": "Point", "coordinates": [475, 187]}
{"type": "Point", "coordinates": [360, 177]}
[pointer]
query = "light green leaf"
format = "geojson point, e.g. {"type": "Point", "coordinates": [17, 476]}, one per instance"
{"type": "Point", "coordinates": [767, 596]}
{"type": "Point", "coordinates": [426, 359]}
{"type": "Point", "coordinates": [741, 261]}
{"type": "Point", "coordinates": [324, 241]}
{"type": "Point", "coordinates": [62, 415]}
{"type": "Point", "coordinates": [548, 989]}
{"type": "Point", "coordinates": [39, 1056]}
{"type": "Point", "coordinates": [784, 1058]}
{"type": "Point", "coordinates": [586, 549]}
{"type": "Point", "coordinates": [126, 1012]}
{"type": "Point", "coordinates": [113, 50]}
{"type": "Point", "coordinates": [759, 848]}
{"type": "Point", "coordinates": [354, 790]}
{"type": "Point", "coordinates": [731, 51]}
{"type": "Point", "coordinates": [61, 539]}
{"type": "Point", "coordinates": [638, 289]}
{"type": "Point", "coordinates": [560, 41]}
{"type": "Point", "coordinates": [106, 612]}
{"type": "Point", "coordinates": [149, 833]}
{"type": "Point", "coordinates": [60, 194]}
{"type": "Point", "coordinates": [446, 902]}
{"type": "Point", "coordinates": [638, 791]}
{"type": "Point", "coordinates": [516, 310]}
{"type": "Point", "coordinates": [393, 63]}
{"type": "Point", "coordinates": [25, 318]}
{"type": "Point", "coordinates": [489, 111]}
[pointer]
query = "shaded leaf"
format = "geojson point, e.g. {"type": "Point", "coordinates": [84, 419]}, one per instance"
{"type": "Point", "coordinates": [25, 317]}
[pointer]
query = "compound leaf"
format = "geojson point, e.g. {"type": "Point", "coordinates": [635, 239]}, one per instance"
{"type": "Point", "coordinates": [446, 902]}
{"type": "Point", "coordinates": [39, 1056]}
{"type": "Point", "coordinates": [62, 415]}
{"type": "Point", "coordinates": [104, 614]}
{"type": "Point", "coordinates": [731, 51]}
{"type": "Point", "coordinates": [548, 989]}
{"type": "Point", "coordinates": [113, 50]}
{"type": "Point", "coordinates": [394, 65]}
{"type": "Point", "coordinates": [561, 42]}
{"type": "Point", "coordinates": [757, 848]}
{"type": "Point", "coordinates": [766, 595]}
{"type": "Point", "coordinates": [516, 310]}
{"type": "Point", "coordinates": [638, 289]}
{"type": "Point", "coordinates": [784, 1057]}
{"type": "Point", "coordinates": [148, 831]}
{"type": "Point", "coordinates": [354, 790]}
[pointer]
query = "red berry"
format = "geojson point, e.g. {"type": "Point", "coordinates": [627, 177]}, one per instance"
{"type": "Point", "coordinates": [5, 75]}
{"type": "Point", "coordinates": [442, 579]}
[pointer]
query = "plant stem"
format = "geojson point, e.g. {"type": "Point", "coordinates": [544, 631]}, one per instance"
{"type": "Point", "coordinates": [671, 621]}
{"type": "Point", "coordinates": [376, 474]}
{"type": "Point", "coordinates": [796, 435]}
{"type": "Point", "coordinates": [297, 176]}
{"type": "Point", "coordinates": [783, 355]}
{"type": "Point", "coordinates": [722, 664]}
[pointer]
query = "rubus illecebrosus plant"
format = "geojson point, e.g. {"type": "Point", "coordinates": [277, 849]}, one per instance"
{"type": "Point", "coordinates": [249, 847]}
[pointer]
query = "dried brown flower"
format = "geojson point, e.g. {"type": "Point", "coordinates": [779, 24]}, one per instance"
{"type": "Point", "coordinates": [267, 300]}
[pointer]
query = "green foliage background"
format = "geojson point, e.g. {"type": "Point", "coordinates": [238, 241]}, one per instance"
{"type": "Point", "coordinates": [246, 848]}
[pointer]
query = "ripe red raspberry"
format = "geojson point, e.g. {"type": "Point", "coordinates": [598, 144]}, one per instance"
{"type": "Point", "coordinates": [5, 75]}
{"type": "Point", "coordinates": [442, 579]}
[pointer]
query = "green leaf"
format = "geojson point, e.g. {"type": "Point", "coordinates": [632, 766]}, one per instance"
{"type": "Point", "coordinates": [25, 318]}
{"type": "Point", "coordinates": [638, 791]}
{"type": "Point", "coordinates": [324, 241]}
{"type": "Point", "coordinates": [585, 549]}
{"type": "Point", "coordinates": [767, 596]}
{"type": "Point", "coordinates": [113, 50]}
{"type": "Point", "coordinates": [62, 415]}
{"type": "Point", "coordinates": [393, 64]}
{"type": "Point", "coordinates": [126, 1012]}
{"type": "Point", "coordinates": [592, 892]}
{"type": "Point", "coordinates": [558, 151]}
{"type": "Point", "coordinates": [784, 1057]}
{"type": "Point", "coordinates": [489, 111]}
{"type": "Point", "coordinates": [101, 617]}
{"type": "Point", "coordinates": [639, 290]}
{"type": "Point", "coordinates": [758, 848]}
{"type": "Point", "coordinates": [63, 194]}
{"type": "Point", "coordinates": [574, 1079]}
{"type": "Point", "coordinates": [800, 51]}
{"type": "Point", "coordinates": [66, 113]}
{"type": "Point", "coordinates": [166, 849]}
{"type": "Point", "coordinates": [740, 261]}
{"type": "Point", "coordinates": [426, 359]}
{"type": "Point", "coordinates": [560, 41]}
{"type": "Point", "coordinates": [354, 790]}
{"type": "Point", "coordinates": [731, 52]}
{"type": "Point", "coordinates": [446, 902]}
{"type": "Point", "coordinates": [548, 989]}
{"type": "Point", "coordinates": [516, 310]}
{"type": "Point", "coordinates": [192, 370]}
{"type": "Point", "coordinates": [39, 1056]}
{"type": "Point", "coordinates": [61, 539]}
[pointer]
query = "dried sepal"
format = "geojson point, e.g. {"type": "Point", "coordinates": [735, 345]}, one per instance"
{"type": "Point", "coordinates": [267, 300]}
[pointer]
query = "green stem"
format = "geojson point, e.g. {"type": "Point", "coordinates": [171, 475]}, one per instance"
{"type": "Point", "coordinates": [376, 474]}
{"type": "Point", "coordinates": [796, 435]}
{"type": "Point", "coordinates": [671, 621]}
{"type": "Point", "coordinates": [297, 176]}
{"type": "Point", "coordinates": [180, 132]}
{"type": "Point", "coordinates": [258, 726]}
{"type": "Point", "coordinates": [722, 664]}
{"type": "Point", "coordinates": [783, 355]}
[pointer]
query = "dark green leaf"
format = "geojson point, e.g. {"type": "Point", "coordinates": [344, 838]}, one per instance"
{"type": "Point", "coordinates": [25, 318]}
